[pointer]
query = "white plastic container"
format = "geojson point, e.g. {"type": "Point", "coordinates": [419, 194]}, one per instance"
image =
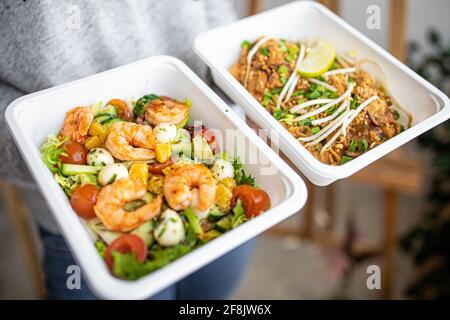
{"type": "Point", "coordinates": [304, 20]}
{"type": "Point", "coordinates": [32, 117]}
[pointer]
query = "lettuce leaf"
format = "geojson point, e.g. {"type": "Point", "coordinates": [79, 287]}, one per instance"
{"type": "Point", "coordinates": [51, 150]}
{"type": "Point", "coordinates": [70, 183]}
{"type": "Point", "coordinates": [240, 176]}
{"type": "Point", "coordinates": [126, 266]}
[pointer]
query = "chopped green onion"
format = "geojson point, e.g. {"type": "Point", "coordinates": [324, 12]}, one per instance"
{"type": "Point", "coordinates": [352, 146]}
{"type": "Point", "coordinates": [345, 159]}
{"type": "Point", "coordinates": [396, 114]}
{"type": "Point", "coordinates": [283, 70]}
{"type": "Point", "coordinates": [276, 90]}
{"type": "Point", "coordinates": [363, 145]}
{"type": "Point", "coordinates": [264, 51]}
{"type": "Point", "coordinates": [354, 103]}
{"type": "Point", "coordinates": [313, 95]}
{"type": "Point", "coordinates": [266, 98]}
{"type": "Point", "coordinates": [331, 110]}
{"type": "Point", "coordinates": [298, 93]}
{"type": "Point", "coordinates": [283, 46]}
{"type": "Point", "coordinates": [314, 130]}
{"type": "Point", "coordinates": [305, 122]}
{"type": "Point", "coordinates": [246, 44]}
{"type": "Point", "coordinates": [334, 95]}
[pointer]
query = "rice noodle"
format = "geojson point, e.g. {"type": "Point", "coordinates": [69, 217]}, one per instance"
{"type": "Point", "coordinates": [250, 55]}
{"type": "Point", "coordinates": [323, 84]}
{"type": "Point", "coordinates": [327, 106]}
{"type": "Point", "coordinates": [291, 89]}
{"type": "Point", "coordinates": [344, 105]}
{"type": "Point", "coordinates": [293, 77]}
{"type": "Point", "coordinates": [339, 71]}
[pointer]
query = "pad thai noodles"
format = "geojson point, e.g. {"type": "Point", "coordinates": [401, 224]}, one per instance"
{"type": "Point", "coordinates": [334, 108]}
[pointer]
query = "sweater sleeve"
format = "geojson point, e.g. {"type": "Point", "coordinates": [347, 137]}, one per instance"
{"type": "Point", "coordinates": [12, 168]}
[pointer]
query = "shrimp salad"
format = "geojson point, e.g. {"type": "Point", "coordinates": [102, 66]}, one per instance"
{"type": "Point", "coordinates": [149, 186]}
{"type": "Point", "coordinates": [325, 100]}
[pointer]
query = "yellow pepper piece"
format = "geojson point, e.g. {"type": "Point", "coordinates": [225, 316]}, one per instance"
{"type": "Point", "coordinates": [155, 185]}
{"type": "Point", "coordinates": [139, 172]}
{"type": "Point", "coordinates": [223, 197]}
{"type": "Point", "coordinates": [163, 152]}
{"type": "Point", "coordinates": [98, 130]}
{"type": "Point", "coordinates": [228, 182]}
{"type": "Point", "coordinates": [93, 142]}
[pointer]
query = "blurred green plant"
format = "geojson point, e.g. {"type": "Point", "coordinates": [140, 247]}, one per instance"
{"type": "Point", "coordinates": [429, 241]}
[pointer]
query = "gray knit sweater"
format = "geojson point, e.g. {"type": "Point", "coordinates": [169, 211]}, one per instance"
{"type": "Point", "coordinates": [44, 43]}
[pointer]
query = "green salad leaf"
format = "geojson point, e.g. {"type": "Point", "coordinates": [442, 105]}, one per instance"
{"type": "Point", "coordinates": [126, 266]}
{"type": "Point", "coordinates": [240, 176]}
{"type": "Point", "coordinates": [51, 151]}
{"type": "Point", "coordinates": [70, 183]}
{"type": "Point", "coordinates": [238, 214]}
{"type": "Point", "coordinates": [193, 221]}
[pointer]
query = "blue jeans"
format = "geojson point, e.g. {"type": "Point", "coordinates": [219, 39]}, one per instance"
{"type": "Point", "coordinates": [214, 281]}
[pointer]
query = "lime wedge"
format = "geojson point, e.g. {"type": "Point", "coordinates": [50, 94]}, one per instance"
{"type": "Point", "coordinates": [318, 60]}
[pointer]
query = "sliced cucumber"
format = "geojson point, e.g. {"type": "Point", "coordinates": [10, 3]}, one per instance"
{"type": "Point", "coordinates": [109, 122]}
{"type": "Point", "coordinates": [72, 169]}
{"type": "Point", "coordinates": [110, 109]}
{"type": "Point", "coordinates": [215, 215]}
{"type": "Point", "coordinates": [211, 234]}
{"type": "Point", "coordinates": [145, 232]}
{"type": "Point", "coordinates": [224, 224]}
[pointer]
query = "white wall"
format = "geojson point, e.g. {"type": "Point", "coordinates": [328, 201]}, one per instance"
{"type": "Point", "coordinates": [421, 15]}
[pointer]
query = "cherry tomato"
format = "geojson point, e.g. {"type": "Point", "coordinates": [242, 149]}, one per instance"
{"type": "Point", "coordinates": [123, 111]}
{"type": "Point", "coordinates": [254, 200]}
{"type": "Point", "coordinates": [209, 137]}
{"type": "Point", "coordinates": [76, 153]}
{"type": "Point", "coordinates": [126, 243]}
{"type": "Point", "coordinates": [156, 168]}
{"type": "Point", "coordinates": [83, 200]}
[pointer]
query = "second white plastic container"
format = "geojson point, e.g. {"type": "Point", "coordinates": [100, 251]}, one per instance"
{"type": "Point", "coordinates": [305, 20]}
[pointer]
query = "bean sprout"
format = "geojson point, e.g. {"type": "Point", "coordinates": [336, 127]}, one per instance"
{"type": "Point", "coordinates": [323, 84]}
{"type": "Point", "coordinates": [250, 55]}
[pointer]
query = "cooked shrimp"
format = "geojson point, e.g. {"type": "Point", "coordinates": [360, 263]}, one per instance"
{"type": "Point", "coordinates": [77, 123]}
{"type": "Point", "coordinates": [166, 111]}
{"type": "Point", "coordinates": [128, 141]}
{"type": "Point", "coordinates": [112, 198]}
{"type": "Point", "coordinates": [179, 183]}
